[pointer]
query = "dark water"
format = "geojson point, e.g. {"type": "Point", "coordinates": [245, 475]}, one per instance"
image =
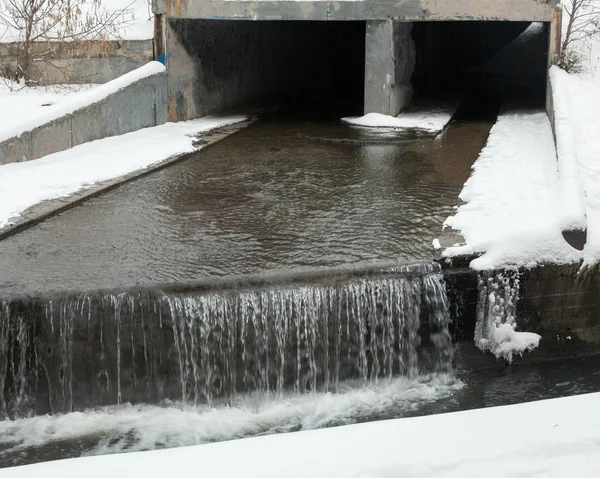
{"type": "Point", "coordinates": [280, 194]}
{"type": "Point", "coordinates": [134, 428]}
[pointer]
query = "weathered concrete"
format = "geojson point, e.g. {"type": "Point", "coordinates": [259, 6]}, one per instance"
{"type": "Point", "coordinates": [406, 10]}
{"type": "Point", "coordinates": [389, 64]}
{"type": "Point", "coordinates": [81, 62]}
{"type": "Point", "coordinates": [139, 105]}
{"type": "Point", "coordinates": [556, 301]}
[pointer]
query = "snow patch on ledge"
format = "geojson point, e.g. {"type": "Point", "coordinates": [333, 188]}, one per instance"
{"type": "Point", "coordinates": [80, 100]}
{"type": "Point", "coordinates": [23, 185]}
{"type": "Point", "coordinates": [432, 121]}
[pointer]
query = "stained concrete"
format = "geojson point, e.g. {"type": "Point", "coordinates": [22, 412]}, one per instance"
{"type": "Point", "coordinates": [405, 10]}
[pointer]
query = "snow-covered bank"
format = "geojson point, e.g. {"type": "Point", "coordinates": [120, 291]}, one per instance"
{"type": "Point", "coordinates": [11, 129]}
{"type": "Point", "coordinates": [577, 111]}
{"type": "Point", "coordinates": [552, 438]}
{"type": "Point", "coordinates": [23, 185]}
{"type": "Point", "coordinates": [510, 201]}
{"type": "Point", "coordinates": [431, 120]}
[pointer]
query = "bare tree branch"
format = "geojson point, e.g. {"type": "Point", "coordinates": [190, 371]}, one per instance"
{"type": "Point", "coordinates": [61, 21]}
{"type": "Point", "coordinates": [583, 24]}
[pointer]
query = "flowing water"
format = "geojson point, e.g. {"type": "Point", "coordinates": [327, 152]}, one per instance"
{"type": "Point", "coordinates": [278, 195]}
{"type": "Point", "coordinates": [254, 288]}
{"type": "Point", "coordinates": [66, 353]}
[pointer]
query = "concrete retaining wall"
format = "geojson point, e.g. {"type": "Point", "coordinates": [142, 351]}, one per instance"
{"type": "Point", "coordinates": [139, 104]}
{"type": "Point", "coordinates": [82, 62]}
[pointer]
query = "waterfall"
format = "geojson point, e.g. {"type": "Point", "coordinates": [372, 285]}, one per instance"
{"type": "Point", "coordinates": [495, 329]}
{"type": "Point", "coordinates": [68, 353]}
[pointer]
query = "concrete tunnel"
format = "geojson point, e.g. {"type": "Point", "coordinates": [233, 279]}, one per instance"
{"type": "Point", "coordinates": [348, 67]}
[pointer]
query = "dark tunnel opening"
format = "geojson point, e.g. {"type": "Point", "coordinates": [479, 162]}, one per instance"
{"type": "Point", "coordinates": [296, 65]}
{"type": "Point", "coordinates": [501, 61]}
{"type": "Point", "coordinates": [318, 68]}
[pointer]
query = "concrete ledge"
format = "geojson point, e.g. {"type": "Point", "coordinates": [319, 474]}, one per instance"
{"type": "Point", "coordinates": [407, 10]}
{"type": "Point", "coordinates": [135, 101]}
{"type": "Point", "coordinates": [46, 209]}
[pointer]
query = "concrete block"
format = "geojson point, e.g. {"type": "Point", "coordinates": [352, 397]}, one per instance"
{"type": "Point", "coordinates": [389, 64]}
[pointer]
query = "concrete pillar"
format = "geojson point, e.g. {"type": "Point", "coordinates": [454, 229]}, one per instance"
{"type": "Point", "coordinates": [183, 73]}
{"type": "Point", "coordinates": [389, 63]}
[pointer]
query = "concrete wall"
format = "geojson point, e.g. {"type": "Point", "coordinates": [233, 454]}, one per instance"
{"type": "Point", "coordinates": [556, 301]}
{"type": "Point", "coordinates": [407, 10]}
{"type": "Point", "coordinates": [82, 62]}
{"type": "Point", "coordinates": [139, 105]}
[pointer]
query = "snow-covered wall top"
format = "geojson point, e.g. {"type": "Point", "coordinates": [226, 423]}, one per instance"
{"type": "Point", "coordinates": [134, 101]}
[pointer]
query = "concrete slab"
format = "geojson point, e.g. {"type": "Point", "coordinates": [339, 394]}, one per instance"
{"type": "Point", "coordinates": [407, 10]}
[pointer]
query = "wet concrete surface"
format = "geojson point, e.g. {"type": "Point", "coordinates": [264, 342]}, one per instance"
{"type": "Point", "coordinates": [282, 194]}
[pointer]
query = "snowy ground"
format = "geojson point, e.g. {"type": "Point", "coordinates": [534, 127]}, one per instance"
{"type": "Point", "coordinates": [136, 22]}
{"type": "Point", "coordinates": [552, 438]}
{"type": "Point", "coordinates": [577, 106]}
{"type": "Point", "coordinates": [23, 185]}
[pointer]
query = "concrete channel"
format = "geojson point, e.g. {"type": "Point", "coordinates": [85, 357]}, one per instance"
{"type": "Point", "coordinates": [293, 258]}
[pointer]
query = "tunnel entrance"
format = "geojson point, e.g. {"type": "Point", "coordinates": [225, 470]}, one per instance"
{"type": "Point", "coordinates": [503, 60]}
{"type": "Point", "coordinates": [348, 68]}
{"type": "Point", "coordinates": [294, 64]}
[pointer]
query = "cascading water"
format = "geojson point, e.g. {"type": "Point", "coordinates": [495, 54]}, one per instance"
{"type": "Point", "coordinates": [495, 329]}
{"type": "Point", "coordinates": [143, 347]}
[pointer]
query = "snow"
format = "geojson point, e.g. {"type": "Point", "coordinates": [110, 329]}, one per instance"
{"type": "Point", "coordinates": [510, 204]}
{"type": "Point", "coordinates": [137, 22]}
{"type": "Point", "coordinates": [495, 328]}
{"type": "Point", "coordinates": [23, 185]}
{"type": "Point", "coordinates": [10, 128]}
{"type": "Point", "coordinates": [552, 438]}
{"type": "Point", "coordinates": [19, 104]}
{"type": "Point", "coordinates": [505, 341]}
{"type": "Point", "coordinates": [577, 107]}
{"type": "Point", "coordinates": [432, 121]}
{"type": "Point", "coordinates": [147, 427]}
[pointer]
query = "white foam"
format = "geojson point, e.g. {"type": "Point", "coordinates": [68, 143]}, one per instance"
{"type": "Point", "coordinates": [145, 427]}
